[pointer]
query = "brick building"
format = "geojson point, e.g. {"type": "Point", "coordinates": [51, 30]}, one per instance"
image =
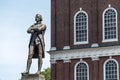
{"type": "Point", "coordinates": [85, 39]}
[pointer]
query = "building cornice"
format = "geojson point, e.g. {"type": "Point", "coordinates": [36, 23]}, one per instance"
{"type": "Point", "coordinates": [67, 60]}
{"type": "Point", "coordinates": [93, 53]}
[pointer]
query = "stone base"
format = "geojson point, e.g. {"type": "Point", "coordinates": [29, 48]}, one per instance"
{"type": "Point", "coordinates": [32, 77]}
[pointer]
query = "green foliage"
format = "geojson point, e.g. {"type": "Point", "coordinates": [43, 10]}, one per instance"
{"type": "Point", "coordinates": [46, 73]}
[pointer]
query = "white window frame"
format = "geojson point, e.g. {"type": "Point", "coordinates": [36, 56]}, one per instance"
{"type": "Point", "coordinates": [77, 65]}
{"type": "Point", "coordinates": [104, 74]}
{"type": "Point", "coordinates": [110, 40]}
{"type": "Point", "coordinates": [83, 42]}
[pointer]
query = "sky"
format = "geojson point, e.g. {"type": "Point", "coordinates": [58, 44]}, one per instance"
{"type": "Point", "coordinates": [16, 16]}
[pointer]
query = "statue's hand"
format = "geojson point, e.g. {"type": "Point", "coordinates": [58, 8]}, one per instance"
{"type": "Point", "coordinates": [32, 31]}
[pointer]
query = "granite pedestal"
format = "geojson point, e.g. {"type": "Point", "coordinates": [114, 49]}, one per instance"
{"type": "Point", "coordinates": [32, 77]}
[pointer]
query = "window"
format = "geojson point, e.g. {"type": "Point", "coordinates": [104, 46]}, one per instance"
{"type": "Point", "coordinates": [81, 27]}
{"type": "Point", "coordinates": [81, 71]}
{"type": "Point", "coordinates": [111, 71]}
{"type": "Point", "coordinates": [110, 25]}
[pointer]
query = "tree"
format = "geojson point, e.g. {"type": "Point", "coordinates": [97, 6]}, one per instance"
{"type": "Point", "coordinates": [46, 73]}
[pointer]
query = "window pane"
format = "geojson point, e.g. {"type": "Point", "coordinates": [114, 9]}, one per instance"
{"type": "Point", "coordinates": [110, 24]}
{"type": "Point", "coordinates": [81, 27]}
{"type": "Point", "coordinates": [111, 70]}
{"type": "Point", "coordinates": [81, 71]}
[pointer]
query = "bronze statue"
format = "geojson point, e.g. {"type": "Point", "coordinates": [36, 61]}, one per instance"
{"type": "Point", "coordinates": [36, 45]}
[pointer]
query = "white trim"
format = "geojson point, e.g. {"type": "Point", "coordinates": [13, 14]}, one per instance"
{"type": "Point", "coordinates": [105, 66]}
{"type": "Point", "coordinates": [110, 57]}
{"type": "Point", "coordinates": [95, 58]}
{"type": "Point", "coordinates": [52, 48]}
{"type": "Point", "coordinates": [95, 45]}
{"type": "Point", "coordinates": [109, 5]}
{"type": "Point", "coordinates": [66, 47]}
{"type": "Point", "coordinates": [80, 9]}
{"type": "Point", "coordinates": [83, 42]}
{"type": "Point", "coordinates": [53, 61]}
{"type": "Point", "coordinates": [85, 53]}
{"type": "Point", "coordinates": [66, 60]}
{"type": "Point", "coordinates": [81, 61]}
{"type": "Point", "coordinates": [109, 40]}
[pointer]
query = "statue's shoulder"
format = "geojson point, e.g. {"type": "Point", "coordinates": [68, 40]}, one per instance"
{"type": "Point", "coordinates": [44, 25]}
{"type": "Point", "coordinates": [41, 25]}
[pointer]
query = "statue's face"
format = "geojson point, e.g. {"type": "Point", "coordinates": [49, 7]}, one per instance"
{"type": "Point", "coordinates": [38, 18]}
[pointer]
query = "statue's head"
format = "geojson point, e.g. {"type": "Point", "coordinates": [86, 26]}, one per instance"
{"type": "Point", "coordinates": [38, 17]}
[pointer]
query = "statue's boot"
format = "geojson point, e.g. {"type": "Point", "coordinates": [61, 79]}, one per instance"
{"type": "Point", "coordinates": [28, 66]}
{"type": "Point", "coordinates": [39, 66]}
{"type": "Point", "coordinates": [25, 72]}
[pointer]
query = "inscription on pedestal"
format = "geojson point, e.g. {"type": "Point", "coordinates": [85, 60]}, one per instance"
{"type": "Point", "coordinates": [32, 77]}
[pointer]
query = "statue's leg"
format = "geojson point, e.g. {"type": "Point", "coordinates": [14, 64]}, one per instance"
{"type": "Point", "coordinates": [39, 59]}
{"type": "Point", "coordinates": [29, 61]}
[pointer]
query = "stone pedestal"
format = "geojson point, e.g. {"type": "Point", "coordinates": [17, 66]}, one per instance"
{"type": "Point", "coordinates": [32, 77]}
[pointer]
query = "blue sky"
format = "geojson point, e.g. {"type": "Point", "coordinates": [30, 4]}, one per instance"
{"type": "Point", "coordinates": [16, 16]}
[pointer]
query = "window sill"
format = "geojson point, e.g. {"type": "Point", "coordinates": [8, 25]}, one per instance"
{"type": "Point", "coordinates": [78, 43]}
{"type": "Point", "coordinates": [110, 40]}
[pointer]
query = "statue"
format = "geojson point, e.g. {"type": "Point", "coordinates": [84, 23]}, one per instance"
{"type": "Point", "coordinates": [36, 44]}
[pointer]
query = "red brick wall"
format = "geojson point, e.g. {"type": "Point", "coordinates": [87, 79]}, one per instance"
{"type": "Point", "coordinates": [72, 65]}
{"type": "Point", "coordinates": [102, 5]}
{"type": "Point", "coordinates": [65, 71]}
{"type": "Point", "coordinates": [53, 23]}
{"type": "Point", "coordinates": [75, 7]}
{"type": "Point", "coordinates": [59, 70]}
{"type": "Point", "coordinates": [62, 21]}
{"type": "Point", "coordinates": [53, 71]}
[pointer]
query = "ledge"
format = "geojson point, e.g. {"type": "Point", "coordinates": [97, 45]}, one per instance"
{"type": "Point", "coordinates": [85, 53]}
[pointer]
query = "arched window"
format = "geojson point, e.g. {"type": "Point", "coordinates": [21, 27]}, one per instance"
{"type": "Point", "coordinates": [81, 27]}
{"type": "Point", "coordinates": [81, 71]}
{"type": "Point", "coordinates": [111, 71]}
{"type": "Point", "coordinates": [110, 25]}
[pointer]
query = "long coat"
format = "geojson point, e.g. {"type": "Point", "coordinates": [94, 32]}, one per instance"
{"type": "Point", "coordinates": [37, 37]}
